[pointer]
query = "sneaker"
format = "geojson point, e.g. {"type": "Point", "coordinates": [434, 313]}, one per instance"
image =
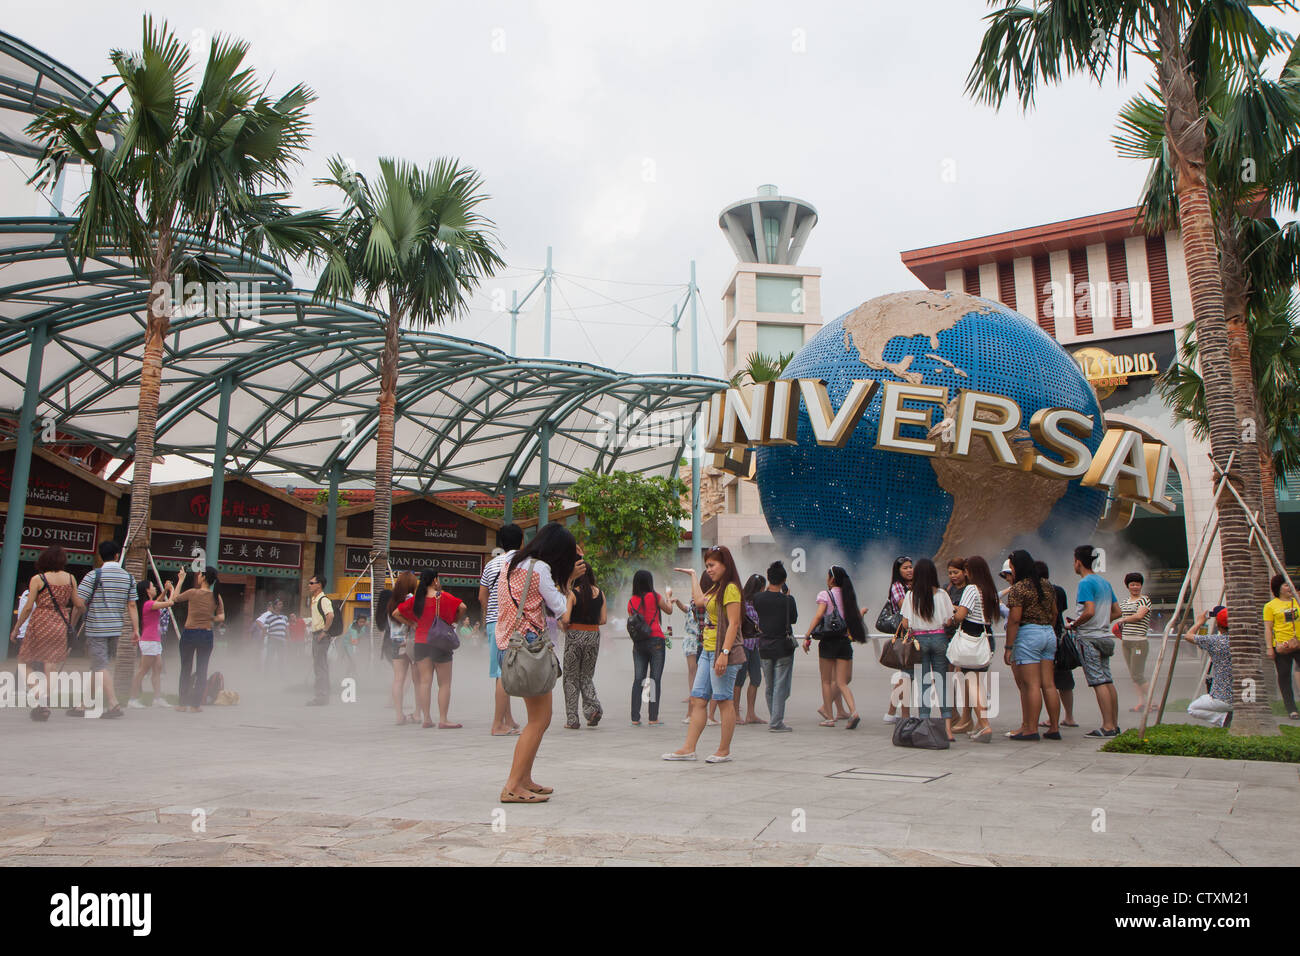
{"type": "Point", "coordinates": [1103, 733]}
{"type": "Point", "coordinates": [675, 756]}
{"type": "Point", "coordinates": [160, 702]}
{"type": "Point", "coordinates": [890, 718]}
{"type": "Point", "coordinates": [686, 720]}
{"type": "Point", "coordinates": [135, 704]}
{"type": "Point", "coordinates": [780, 729]}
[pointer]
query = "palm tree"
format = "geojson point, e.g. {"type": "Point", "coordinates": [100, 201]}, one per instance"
{"type": "Point", "coordinates": [761, 368]}
{"type": "Point", "coordinates": [1028, 46]}
{"type": "Point", "coordinates": [1252, 131]}
{"type": "Point", "coordinates": [185, 166]}
{"type": "Point", "coordinates": [414, 246]}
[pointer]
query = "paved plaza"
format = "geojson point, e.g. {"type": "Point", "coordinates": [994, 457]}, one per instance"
{"type": "Point", "coordinates": [280, 783]}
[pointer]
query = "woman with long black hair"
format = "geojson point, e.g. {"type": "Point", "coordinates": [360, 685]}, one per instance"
{"type": "Point", "coordinates": [203, 609]}
{"type": "Point", "coordinates": [581, 621]}
{"type": "Point", "coordinates": [835, 649]}
{"type": "Point", "coordinates": [429, 603]}
{"type": "Point", "coordinates": [525, 589]}
{"type": "Point", "coordinates": [900, 582]}
{"type": "Point", "coordinates": [925, 610]}
{"type": "Point", "coordinates": [753, 669]}
{"type": "Point", "coordinates": [1031, 647]}
{"type": "Point", "coordinates": [977, 610]}
{"type": "Point", "coordinates": [648, 656]}
{"type": "Point", "coordinates": [399, 642]}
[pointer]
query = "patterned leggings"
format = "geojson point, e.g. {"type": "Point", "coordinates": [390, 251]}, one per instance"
{"type": "Point", "coordinates": [580, 650]}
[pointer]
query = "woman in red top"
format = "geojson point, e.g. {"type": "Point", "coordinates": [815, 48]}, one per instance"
{"type": "Point", "coordinates": [428, 603]}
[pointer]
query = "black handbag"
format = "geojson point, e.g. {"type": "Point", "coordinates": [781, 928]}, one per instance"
{"type": "Point", "coordinates": [924, 733]}
{"type": "Point", "coordinates": [1067, 652]}
{"type": "Point", "coordinates": [832, 625]}
{"type": "Point", "coordinates": [889, 618]}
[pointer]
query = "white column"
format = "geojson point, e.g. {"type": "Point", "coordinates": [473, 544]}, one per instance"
{"type": "Point", "coordinates": [989, 281]}
{"type": "Point", "coordinates": [1026, 294]}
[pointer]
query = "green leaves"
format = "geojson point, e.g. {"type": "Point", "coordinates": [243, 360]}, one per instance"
{"type": "Point", "coordinates": [628, 521]}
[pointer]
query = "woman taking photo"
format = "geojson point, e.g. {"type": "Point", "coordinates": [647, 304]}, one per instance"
{"type": "Point", "coordinates": [926, 608]}
{"type": "Point", "coordinates": [203, 609]}
{"type": "Point", "coordinates": [977, 611]}
{"type": "Point", "coordinates": [720, 644]}
{"type": "Point", "coordinates": [581, 621]}
{"type": "Point", "coordinates": [1031, 647]}
{"type": "Point", "coordinates": [1280, 638]}
{"type": "Point", "coordinates": [900, 582]}
{"type": "Point", "coordinates": [835, 651]}
{"type": "Point", "coordinates": [51, 609]}
{"type": "Point", "coordinates": [400, 644]}
{"type": "Point", "coordinates": [648, 656]}
{"type": "Point", "coordinates": [151, 605]}
{"type": "Point", "coordinates": [524, 592]}
{"type": "Point", "coordinates": [430, 603]}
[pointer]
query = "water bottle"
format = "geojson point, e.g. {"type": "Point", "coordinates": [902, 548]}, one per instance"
{"type": "Point", "coordinates": [668, 640]}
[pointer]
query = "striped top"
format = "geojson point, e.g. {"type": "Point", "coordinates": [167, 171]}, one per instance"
{"type": "Point", "coordinates": [1135, 630]}
{"type": "Point", "coordinates": [489, 580]}
{"type": "Point", "coordinates": [277, 625]}
{"type": "Point", "coordinates": [114, 589]}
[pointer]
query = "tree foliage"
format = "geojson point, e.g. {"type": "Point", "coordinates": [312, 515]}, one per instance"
{"type": "Point", "coordinates": [627, 521]}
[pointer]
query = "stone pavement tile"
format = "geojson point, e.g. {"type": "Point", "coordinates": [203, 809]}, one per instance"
{"type": "Point", "coordinates": [15, 842]}
{"type": "Point", "coordinates": [152, 838]}
{"type": "Point", "coordinates": [850, 856]}
{"type": "Point", "coordinates": [197, 850]}
{"type": "Point", "coordinates": [1216, 769]}
{"type": "Point", "coordinates": [940, 835]}
{"type": "Point", "coordinates": [51, 860]}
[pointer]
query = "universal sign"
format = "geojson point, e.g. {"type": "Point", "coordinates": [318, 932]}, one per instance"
{"type": "Point", "coordinates": [767, 413]}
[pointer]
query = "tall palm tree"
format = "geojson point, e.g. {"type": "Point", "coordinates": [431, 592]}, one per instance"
{"type": "Point", "coordinates": [1252, 135]}
{"type": "Point", "coordinates": [414, 246]}
{"type": "Point", "coordinates": [186, 165]}
{"type": "Point", "coordinates": [1026, 47]}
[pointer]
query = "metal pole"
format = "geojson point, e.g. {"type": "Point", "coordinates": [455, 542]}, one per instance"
{"type": "Point", "coordinates": [1205, 543]}
{"type": "Point", "coordinates": [514, 321]}
{"type": "Point", "coordinates": [546, 343]}
{"type": "Point", "coordinates": [543, 508]}
{"type": "Point", "coordinates": [39, 334]}
{"type": "Point", "coordinates": [331, 523]}
{"type": "Point", "coordinates": [509, 515]}
{"type": "Point", "coordinates": [697, 522]}
{"type": "Point", "coordinates": [216, 500]}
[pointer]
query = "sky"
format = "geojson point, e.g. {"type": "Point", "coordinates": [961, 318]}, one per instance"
{"type": "Point", "coordinates": [615, 133]}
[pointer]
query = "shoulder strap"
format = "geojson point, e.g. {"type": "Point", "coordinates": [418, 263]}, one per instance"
{"type": "Point", "coordinates": [54, 601]}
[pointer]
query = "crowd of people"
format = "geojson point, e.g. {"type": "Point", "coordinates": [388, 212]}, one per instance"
{"type": "Point", "coordinates": [739, 637]}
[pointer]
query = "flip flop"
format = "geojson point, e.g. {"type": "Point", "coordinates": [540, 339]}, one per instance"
{"type": "Point", "coordinates": [826, 723]}
{"type": "Point", "coordinates": [450, 726]}
{"type": "Point", "coordinates": [509, 797]}
{"type": "Point", "coordinates": [545, 791]}
{"type": "Point", "coordinates": [853, 724]}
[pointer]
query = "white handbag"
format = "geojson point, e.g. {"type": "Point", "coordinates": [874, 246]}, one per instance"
{"type": "Point", "coordinates": [969, 650]}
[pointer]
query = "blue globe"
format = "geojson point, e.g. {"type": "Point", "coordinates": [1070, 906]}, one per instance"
{"type": "Point", "coordinates": [857, 496]}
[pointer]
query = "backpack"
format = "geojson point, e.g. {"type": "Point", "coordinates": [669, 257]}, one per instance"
{"type": "Point", "coordinates": [216, 684]}
{"type": "Point", "coordinates": [638, 628]}
{"type": "Point", "coordinates": [336, 626]}
{"type": "Point", "coordinates": [749, 622]}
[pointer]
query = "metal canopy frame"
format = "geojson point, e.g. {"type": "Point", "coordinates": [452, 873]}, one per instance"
{"type": "Point", "coordinates": [32, 82]}
{"type": "Point", "coordinates": [305, 382]}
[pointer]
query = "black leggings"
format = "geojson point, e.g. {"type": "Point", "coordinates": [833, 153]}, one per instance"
{"type": "Point", "coordinates": [1283, 664]}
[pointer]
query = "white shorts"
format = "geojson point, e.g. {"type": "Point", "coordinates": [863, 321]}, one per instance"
{"type": "Point", "coordinates": [151, 648]}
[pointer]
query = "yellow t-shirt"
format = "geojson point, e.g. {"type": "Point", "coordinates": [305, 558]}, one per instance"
{"type": "Point", "coordinates": [730, 596]}
{"type": "Point", "coordinates": [1282, 615]}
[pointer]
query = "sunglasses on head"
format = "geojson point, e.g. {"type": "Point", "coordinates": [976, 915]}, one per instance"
{"type": "Point", "coordinates": [902, 559]}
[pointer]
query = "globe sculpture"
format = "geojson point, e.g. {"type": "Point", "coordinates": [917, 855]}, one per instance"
{"type": "Point", "coordinates": [857, 496]}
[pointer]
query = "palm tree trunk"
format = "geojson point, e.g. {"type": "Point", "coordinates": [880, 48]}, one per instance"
{"type": "Point", "coordinates": [1226, 406]}
{"type": "Point", "coordinates": [384, 441]}
{"type": "Point", "coordinates": [134, 559]}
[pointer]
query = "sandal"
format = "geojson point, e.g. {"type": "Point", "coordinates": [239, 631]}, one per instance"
{"type": "Point", "coordinates": [984, 736]}
{"type": "Point", "coordinates": [76, 712]}
{"type": "Point", "coordinates": [595, 718]}
{"type": "Point", "coordinates": [40, 713]}
{"type": "Point", "coordinates": [510, 797]}
{"type": "Point", "coordinates": [826, 723]}
{"type": "Point", "coordinates": [853, 724]}
{"type": "Point", "coordinates": [545, 791]}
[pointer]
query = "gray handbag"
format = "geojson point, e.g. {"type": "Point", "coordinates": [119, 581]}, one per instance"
{"type": "Point", "coordinates": [925, 733]}
{"type": "Point", "coordinates": [528, 669]}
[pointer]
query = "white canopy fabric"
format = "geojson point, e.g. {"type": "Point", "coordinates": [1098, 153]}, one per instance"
{"type": "Point", "coordinates": [305, 382]}
{"type": "Point", "coordinates": [30, 83]}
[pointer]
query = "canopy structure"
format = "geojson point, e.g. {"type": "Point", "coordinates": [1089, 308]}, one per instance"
{"type": "Point", "coordinates": [300, 382]}
{"type": "Point", "coordinates": [30, 83]}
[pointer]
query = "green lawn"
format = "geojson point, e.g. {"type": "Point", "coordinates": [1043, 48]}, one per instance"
{"type": "Point", "coordinates": [1192, 740]}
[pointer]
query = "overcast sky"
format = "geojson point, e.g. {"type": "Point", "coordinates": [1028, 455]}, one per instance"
{"type": "Point", "coordinates": [616, 133]}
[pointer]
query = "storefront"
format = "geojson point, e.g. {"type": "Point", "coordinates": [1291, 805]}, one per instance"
{"type": "Point", "coordinates": [425, 533]}
{"type": "Point", "coordinates": [267, 546]}
{"type": "Point", "coordinates": [66, 505]}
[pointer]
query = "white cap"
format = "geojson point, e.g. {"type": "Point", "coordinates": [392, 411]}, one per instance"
{"type": "Point", "coordinates": [1006, 567]}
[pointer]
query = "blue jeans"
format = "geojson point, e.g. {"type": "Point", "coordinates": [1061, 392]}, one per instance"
{"type": "Point", "coordinates": [777, 675]}
{"type": "Point", "coordinates": [651, 662]}
{"type": "Point", "coordinates": [934, 661]}
{"type": "Point", "coordinates": [709, 684]}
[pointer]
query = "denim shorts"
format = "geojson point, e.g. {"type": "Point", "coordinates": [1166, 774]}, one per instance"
{"type": "Point", "coordinates": [1096, 665]}
{"type": "Point", "coordinates": [1034, 643]}
{"type": "Point", "coordinates": [494, 657]}
{"type": "Point", "coordinates": [710, 685]}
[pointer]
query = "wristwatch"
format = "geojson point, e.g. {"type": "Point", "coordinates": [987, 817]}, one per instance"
{"type": "Point", "coordinates": [726, 652]}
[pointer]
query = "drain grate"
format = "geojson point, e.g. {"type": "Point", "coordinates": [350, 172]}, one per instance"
{"type": "Point", "coordinates": [885, 776]}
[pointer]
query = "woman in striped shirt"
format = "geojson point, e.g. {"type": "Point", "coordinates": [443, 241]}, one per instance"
{"type": "Point", "coordinates": [525, 590]}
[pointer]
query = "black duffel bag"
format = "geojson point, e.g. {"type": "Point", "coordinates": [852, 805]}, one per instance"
{"type": "Point", "coordinates": [924, 733]}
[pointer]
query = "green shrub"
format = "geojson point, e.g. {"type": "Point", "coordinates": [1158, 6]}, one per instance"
{"type": "Point", "coordinates": [1189, 740]}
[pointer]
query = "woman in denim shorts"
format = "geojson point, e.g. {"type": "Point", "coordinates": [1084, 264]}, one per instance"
{"type": "Point", "coordinates": [1031, 647]}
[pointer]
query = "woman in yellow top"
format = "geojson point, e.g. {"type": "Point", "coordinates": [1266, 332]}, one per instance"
{"type": "Point", "coordinates": [1280, 637]}
{"type": "Point", "coordinates": [720, 640]}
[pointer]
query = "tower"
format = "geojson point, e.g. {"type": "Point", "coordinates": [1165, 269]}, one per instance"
{"type": "Point", "coordinates": [771, 306]}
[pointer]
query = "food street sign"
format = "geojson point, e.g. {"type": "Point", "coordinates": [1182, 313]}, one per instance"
{"type": "Point", "coordinates": [767, 413]}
